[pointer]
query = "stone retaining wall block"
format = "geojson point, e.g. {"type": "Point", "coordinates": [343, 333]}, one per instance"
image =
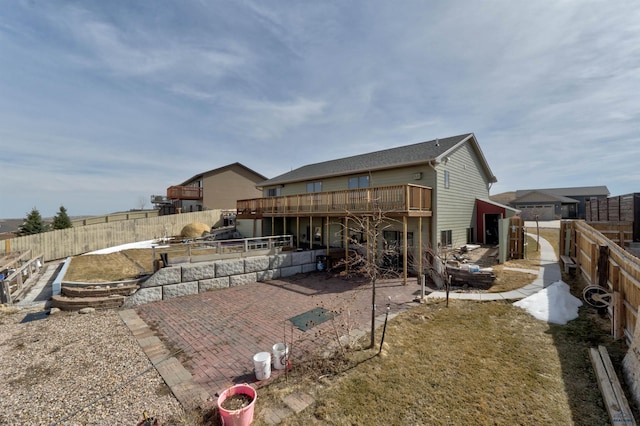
{"type": "Point", "coordinates": [269, 274]}
{"type": "Point", "coordinates": [212, 284]}
{"type": "Point", "coordinates": [164, 276]}
{"type": "Point", "coordinates": [243, 279]}
{"type": "Point", "coordinates": [226, 268]}
{"type": "Point", "coordinates": [302, 257]}
{"type": "Point", "coordinates": [291, 270]}
{"type": "Point", "coordinates": [281, 260]}
{"type": "Point", "coordinates": [144, 295]}
{"type": "Point", "coordinates": [256, 263]}
{"type": "Point", "coordinates": [198, 271]}
{"type": "Point", "coordinates": [177, 290]}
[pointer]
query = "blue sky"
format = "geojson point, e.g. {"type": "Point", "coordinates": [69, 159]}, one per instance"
{"type": "Point", "coordinates": [104, 103]}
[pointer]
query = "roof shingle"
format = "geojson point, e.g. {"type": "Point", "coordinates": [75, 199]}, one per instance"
{"type": "Point", "coordinates": [389, 158]}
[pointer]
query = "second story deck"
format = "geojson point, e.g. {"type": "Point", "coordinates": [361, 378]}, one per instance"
{"type": "Point", "coordinates": [396, 200]}
{"type": "Point", "coordinates": [184, 193]}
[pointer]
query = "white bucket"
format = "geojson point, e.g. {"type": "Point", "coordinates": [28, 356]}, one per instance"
{"type": "Point", "coordinates": [280, 356]}
{"type": "Point", "coordinates": [262, 365]}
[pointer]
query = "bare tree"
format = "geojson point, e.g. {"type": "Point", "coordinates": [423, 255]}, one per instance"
{"type": "Point", "coordinates": [369, 254]}
{"type": "Point", "coordinates": [142, 202]}
{"type": "Point", "coordinates": [434, 267]}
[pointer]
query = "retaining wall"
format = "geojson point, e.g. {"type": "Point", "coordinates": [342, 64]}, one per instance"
{"type": "Point", "coordinates": [194, 278]}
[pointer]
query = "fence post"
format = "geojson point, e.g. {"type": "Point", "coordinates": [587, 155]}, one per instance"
{"type": "Point", "coordinates": [603, 266]}
{"type": "Point", "coordinates": [617, 323]}
{"type": "Point", "coordinates": [5, 292]}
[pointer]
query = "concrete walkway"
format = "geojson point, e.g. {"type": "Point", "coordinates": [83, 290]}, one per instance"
{"type": "Point", "coordinates": [39, 294]}
{"type": "Point", "coordinates": [548, 273]}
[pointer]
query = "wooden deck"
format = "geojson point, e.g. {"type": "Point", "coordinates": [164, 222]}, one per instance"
{"type": "Point", "coordinates": [401, 200]}
{"type": "Point", "coordinates": [184, 193]}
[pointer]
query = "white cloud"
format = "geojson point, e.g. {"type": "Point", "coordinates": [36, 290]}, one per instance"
{"type": "Point", "coordinates": [108, 97]}
{"type": "Point", "coordinates": [269, 119]}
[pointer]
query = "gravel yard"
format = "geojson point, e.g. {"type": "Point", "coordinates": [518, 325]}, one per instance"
{"type": "Point", "coordinates": [76, 369]}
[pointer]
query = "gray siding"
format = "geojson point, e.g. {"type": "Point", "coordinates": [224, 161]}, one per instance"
{"type": "Point", "coordinates": [399, 176]}
{"type": "Point", "coordinates": [456, 205]}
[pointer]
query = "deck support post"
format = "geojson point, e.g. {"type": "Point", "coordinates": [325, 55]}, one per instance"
{"type": "Point", "coordinates": [405, 251]}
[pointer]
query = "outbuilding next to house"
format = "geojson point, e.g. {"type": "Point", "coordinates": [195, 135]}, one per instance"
{"type": "Point", "coordinates": [488, 216]}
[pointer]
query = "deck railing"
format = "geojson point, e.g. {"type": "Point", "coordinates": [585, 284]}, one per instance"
{"type": "Point", "coordinates": [206, 251]}
{"type": "Point", "coordinates": [184, 193]}
{"type": "Point", "coordinates": [19, 271]}
{"type": "Point", "coordinates": [397, 198]}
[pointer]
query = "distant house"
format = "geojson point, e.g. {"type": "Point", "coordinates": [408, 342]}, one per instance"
{"type": "Point", "coordinates": [556, 203]}
{"type": "Point", "coordinates": [430, 190]}
{"type": "Point", "coordinates": [216, 189]}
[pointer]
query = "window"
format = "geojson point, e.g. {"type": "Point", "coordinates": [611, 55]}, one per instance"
{"type": "Point", "coordinates": [359, 182]}
{"type": "Point", "coordinates": [394, 239]}
{"type": "Point", "coordinates": [470, 235]}
{"type": "Point", "coordinates": [446, 179]}
{"type": "Point", "coordinates": [445, 238]}
{"type": "Point", "coordinates": [273, 192]}
{"type": "Point", "coordinates": [314, 186]}
{"type": "Point", "coordinates": [392, 257]}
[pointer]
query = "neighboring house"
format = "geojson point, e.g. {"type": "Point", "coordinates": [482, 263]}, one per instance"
{"type": "Point", "coordinates": [429, 190]}
{"type": "Point", "coordinates": [216, 189]}
{"type": "Point", "coordinates": [557, 203]}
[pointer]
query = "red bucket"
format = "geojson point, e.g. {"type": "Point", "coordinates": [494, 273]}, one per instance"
{"type": "Point", "coordinates": [243, 416]}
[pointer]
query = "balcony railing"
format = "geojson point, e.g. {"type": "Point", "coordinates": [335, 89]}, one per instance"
{"type": "Point", "coordinates": [401, 199]}
{"type": "Point", "coordinates": [184, 193]}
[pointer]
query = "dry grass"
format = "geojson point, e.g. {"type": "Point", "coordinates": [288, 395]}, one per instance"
{"type": "Point", "coordinates": [471, 363]}
{"type": "Point", "coordinates": [488, 363]}
{"type": "Point", "coordinates": [507, 280]}
{"type": "Point", "coordinates": [123, 265]}
{"type": "Point", "coordinates": [102, 268]}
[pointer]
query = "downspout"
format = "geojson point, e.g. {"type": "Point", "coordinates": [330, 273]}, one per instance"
{"type": "Point", "coordinates": [434, 207]}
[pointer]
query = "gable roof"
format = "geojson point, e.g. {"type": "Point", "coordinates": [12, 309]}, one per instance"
{"type": "Point", "coordinates": [504, 206]}
{"type": "Point", "coordinates": [420, 153]}
{"type": "Point", "coordinates": [580, 191]}
{"type": "Point", "coordinates": [220, 170]}
{"type": "Point", "coordinates": [543, 196]}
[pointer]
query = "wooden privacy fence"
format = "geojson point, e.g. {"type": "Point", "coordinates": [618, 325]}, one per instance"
{"type": "Point", "coordinates": [114, 217]}
{"type": "Point", "coordinates": [600, 261]}
{"type": "Point", "coordinates": [623, 208]}
{"type": "Point", "coordinates": [62, 243]}
{"type": "Point", "coordinates": [620, 233]}
{"type": "Point", "coordinates": [516, 238]}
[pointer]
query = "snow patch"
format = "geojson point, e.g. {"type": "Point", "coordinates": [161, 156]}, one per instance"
{"type": "Point", "coordinates": [554, 304]}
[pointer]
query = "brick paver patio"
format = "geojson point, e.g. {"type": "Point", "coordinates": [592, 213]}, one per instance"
{"type": "Point", "coordinates": [220, 331]}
